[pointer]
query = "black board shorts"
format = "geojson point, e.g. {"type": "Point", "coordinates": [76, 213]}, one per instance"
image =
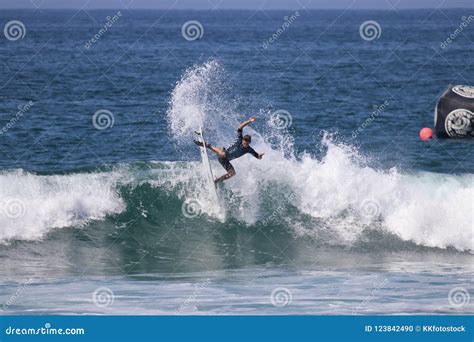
{"type": "Point", "coordinates": [225, 163]}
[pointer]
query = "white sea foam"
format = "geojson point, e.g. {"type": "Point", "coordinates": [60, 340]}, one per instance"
{"type": "Point", "coordinates": [32, 205]}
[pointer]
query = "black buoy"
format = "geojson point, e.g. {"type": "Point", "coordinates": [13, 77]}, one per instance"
{"type": "Point", "coordinates": [454, 113]}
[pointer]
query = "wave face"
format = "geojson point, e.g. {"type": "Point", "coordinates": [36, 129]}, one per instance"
{"type": "Point", "coordinates": [338, 198]}
{"type": "Point", "coordinates": [334, 201]}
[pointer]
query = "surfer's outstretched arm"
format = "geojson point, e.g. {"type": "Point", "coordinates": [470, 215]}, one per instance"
{"type": "Point", "coordinates": [255, 154]}
{"type": "Point", "coordinates": [247, 122]}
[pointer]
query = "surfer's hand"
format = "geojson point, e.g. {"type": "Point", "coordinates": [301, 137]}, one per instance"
{"type": "Point", "coordinates": [260, 155]}
{"type": "Point", "coordinates": [245, 123]}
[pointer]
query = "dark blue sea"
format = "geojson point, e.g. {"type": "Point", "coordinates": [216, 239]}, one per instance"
{"type": "Point", "coordinates": [104, 206]}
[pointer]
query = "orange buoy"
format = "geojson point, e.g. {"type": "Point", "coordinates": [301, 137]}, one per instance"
{"type": "Point", "coordinates": [426, 133]}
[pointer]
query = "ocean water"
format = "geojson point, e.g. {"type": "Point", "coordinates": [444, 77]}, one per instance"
{"type": "Point", "coordinates": [104, 208]}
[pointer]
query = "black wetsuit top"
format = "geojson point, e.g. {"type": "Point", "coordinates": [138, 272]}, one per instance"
{"type": "Point", "coordinates": [237, 150]}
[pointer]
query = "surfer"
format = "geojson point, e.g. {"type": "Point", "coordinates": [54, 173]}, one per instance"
{"type": "Point", "coordinates": [240, 147]}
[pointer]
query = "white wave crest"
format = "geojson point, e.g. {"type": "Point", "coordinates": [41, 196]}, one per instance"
{"type": "Point", "coordinates": [49, 202]}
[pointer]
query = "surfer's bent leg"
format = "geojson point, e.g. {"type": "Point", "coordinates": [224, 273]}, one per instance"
{"type": "Point", "coordinates": [228, 167]}
{"type": "Point", "coordinates": [219, 151]}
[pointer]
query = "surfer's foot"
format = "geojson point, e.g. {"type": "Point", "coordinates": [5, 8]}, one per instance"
{"type": "Point", "coordinates": [219, 179]}
{"type": "Point", "coordinates": [199, 143]}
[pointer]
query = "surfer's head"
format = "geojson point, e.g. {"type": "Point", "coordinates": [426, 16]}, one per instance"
{"type": "Point", "coordinates": [246, 140]}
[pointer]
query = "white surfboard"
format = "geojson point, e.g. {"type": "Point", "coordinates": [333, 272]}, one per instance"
{"type": "Point", "coordinates": [207, 169]}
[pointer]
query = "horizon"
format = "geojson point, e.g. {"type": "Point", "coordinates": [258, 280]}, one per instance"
{"type": "Point", "coordinates": [230, 9]}
{"type": "Point", "coordinates": [255, 5]}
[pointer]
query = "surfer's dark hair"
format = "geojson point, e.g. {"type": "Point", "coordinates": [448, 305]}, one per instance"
{"type": "Point", "coordinates": [247, 138]}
